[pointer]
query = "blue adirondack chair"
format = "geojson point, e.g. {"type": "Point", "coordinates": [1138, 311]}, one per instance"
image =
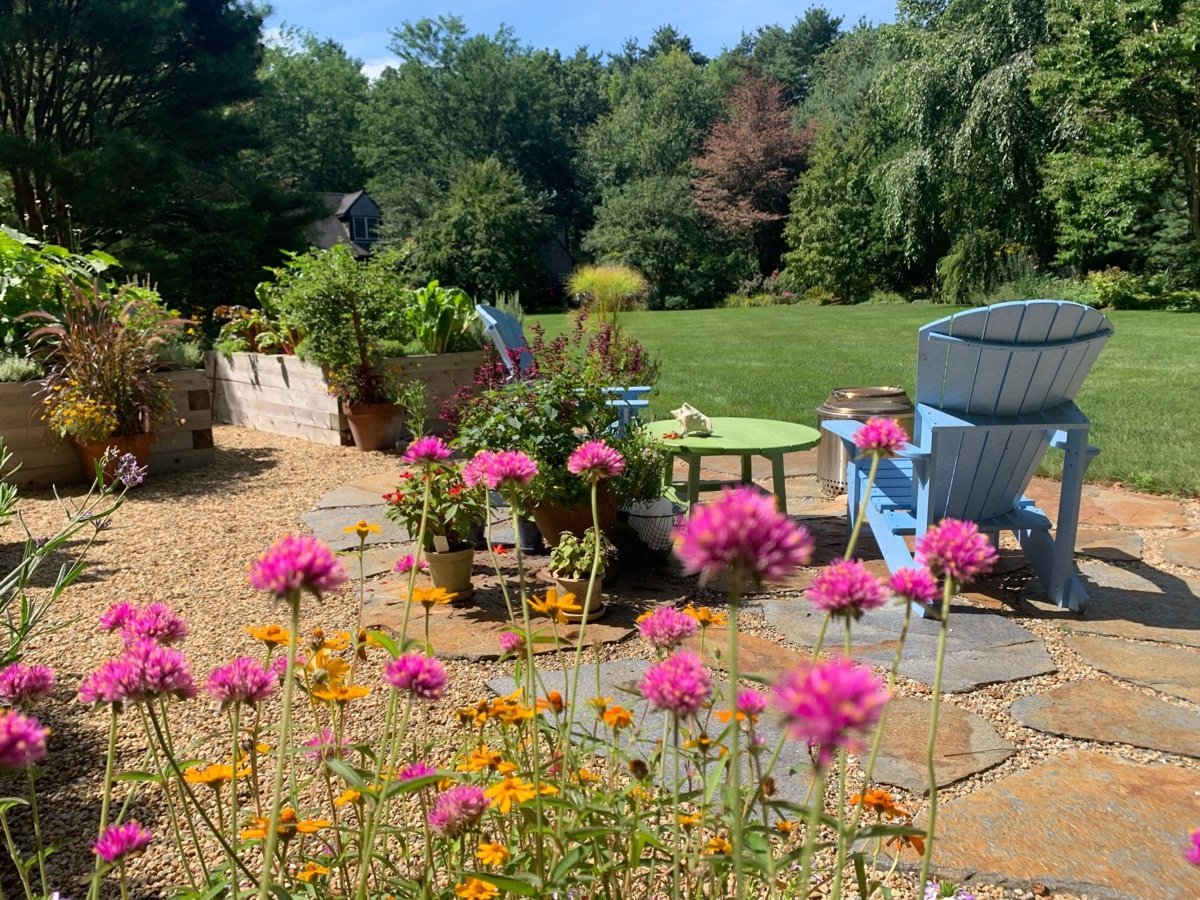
{"type": "Point", "coordinates": [506, 334]}
{"type": "Point", "coordinates": [995, 390]}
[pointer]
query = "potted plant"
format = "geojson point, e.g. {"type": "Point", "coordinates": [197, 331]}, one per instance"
{"type": "Point", "coordinates": [102, 357]}
{"type": "Point", "coordinates": [452, 511]}
{"type": "Point", "coordinates": [571, 562]}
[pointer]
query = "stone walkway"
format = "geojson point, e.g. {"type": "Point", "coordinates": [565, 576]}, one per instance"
{"type": "Point", "coordinates": [1069, 745]}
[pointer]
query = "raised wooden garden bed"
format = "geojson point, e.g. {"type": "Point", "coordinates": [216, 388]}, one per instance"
{"type": "Point", "coordinates": [184, 443]}
{"type": "Point", "coordinates": [285, 395]}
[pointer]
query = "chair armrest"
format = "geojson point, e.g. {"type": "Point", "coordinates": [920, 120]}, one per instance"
{"type": "Point", "coordinates": [847, 428]}
{"type": "Point", "coordinates": [1058, 441]}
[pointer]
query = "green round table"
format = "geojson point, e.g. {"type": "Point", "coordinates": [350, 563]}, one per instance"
{"type": "Point", "coordinates": [745, 438]}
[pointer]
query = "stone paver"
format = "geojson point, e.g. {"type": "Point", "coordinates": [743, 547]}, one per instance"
{"type": "Point", "coordinates": [1183, 551]}
{"type": "Point", "coordinates": [377, 560]}
{"type": "Point", "coordinates": [1104, 506]}
{"type": "Point", "coordinates": [1083, 821]}
{"type": "Point", "coordinates": [329, 524]}
{"type": "Point", "coordinates": [966, 744]}
{"type": "Point", "coordinates": [1171, 670]}
{"type": "Point", "coordinates": [1108, 543]}
{"type": "Point", "coordinates": [364, 492]}
{"type": "Point", "coordinates": [981, 647]}
{"type": "Point", "coordinates": [1138, 602]}
{"type": "Point", "coordinates": [1102, 711]}
{"type": "Point", "coordinates": [756, 655]}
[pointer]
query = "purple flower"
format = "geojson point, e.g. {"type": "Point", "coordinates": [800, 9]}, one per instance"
{"type": "Point", "coordinates": [914, 584]}
{"type": "Point", "coordinates": [160, 671]}
{"type": "Point", "coordinates": [426, 451]}
{"type": "Point", "coordinates": [21, 684]}
{"type": "Point", "coordinates": [243, 680]}
{"type": "Point", "coordinates": [478, 472]}
{"type": "Point", "coordinates": [750, 702]}
{"type": "Point", "coordinates": [120, 841]}
{"type": "Point", "coordinates": [22, 740]}
{"type": "Point", "coordinates": [511, 642]}
{"type": "Point", "coordinates": [279, 665]}
{"type": "Point", "coordinates": [458, 809]}
{"type": "Point", "coordinates": [157, 622]}
{"type": "Point", "coordinates": [846, 588]}
{"type": "Point", "coordinates": [882, 436]}
{"type": "Point", "coordinates": [1192, 852]}
{"type": "Point", "coordinates": [408, 562]}
{"type": "Point", "coordinates": [595, 460]}
{"type": "Point", "coordinates": [956, 549]}
{"type": "Point", "coordinates": [116, 616]}
{"type": "Point", "coordinates": [742, 531]}
{"type": "Point", "coordinates": [115, 681]}
{"type": "Point", "coordinates": [666, 628]}
{"type": "Point", "coordinates": [416, 770]}
{"type": "Point", "coordinates": [294, 562]}
{"type": "Point", "coordinates": [325, 745]}
{"type": "Point", "coordinates": [421, 675]}
{"type": "Point", "coordinates": [129, 472]}
{"type": "Point", "coordinates": [679, 683]}
{"type": "Point", "coordinates": [512, 468]}
{"type": "Point", "coordinates": [829, 703]}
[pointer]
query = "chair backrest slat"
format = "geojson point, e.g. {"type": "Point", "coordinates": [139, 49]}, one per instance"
{"type": "Point", "coordinates": [509, 339]}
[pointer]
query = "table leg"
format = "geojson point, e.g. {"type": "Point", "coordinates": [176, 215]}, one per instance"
{"type": "Point", "coordinates": [778, 482]}
{"type": "Point", "coordinates": [747, 475]}
{"type": "Point", "coordinates": [693, 481]}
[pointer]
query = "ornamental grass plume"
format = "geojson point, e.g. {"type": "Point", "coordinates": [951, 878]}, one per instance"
{"type": "Point", "coordinates": [421, 676]}
{"type": "Point", "coordinates": [457, 810]}
{"type": "Point", "coordinates": [678, 684]}
{"type": "Point", "coordinates": [244, 680]}
{"type": "Point", "coordinates": [881, 436]}
{"type": "Point", "coordinates": [425, 451]}
{"type": "Point", "coordinates": [22, 740]}
{"type": "Point", "coordinates": [846, 588]}
{"type": "Point", "coordinates": [21, 685]}
{"type": "Point", "coordinates": [666, 628]}
{"type": "Point", "coordinates": [829, 704]}
{"type": "Point", "coordinates": [595, 461]}
{"type": "Point", "coordinates": [956, 549]}
{"type": "Point", "coordinates": [741, 531]}
{"type": "Point", "coordinates": [296, 562]}
{"type": "Point", "coordinates": [119, 842]}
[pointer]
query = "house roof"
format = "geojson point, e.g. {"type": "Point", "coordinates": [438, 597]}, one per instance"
{"type": "Point", "coordinates": [335, 227]}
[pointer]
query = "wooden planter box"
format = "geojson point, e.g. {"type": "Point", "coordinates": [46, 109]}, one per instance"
{"type": "Point", "coordinates": [286, 395]}
{"type": "Point", "coordinates": [184, 443]}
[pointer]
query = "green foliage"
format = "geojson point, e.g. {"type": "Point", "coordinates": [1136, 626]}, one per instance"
{"type": "Point", "coordinates": [412, 398]}
{"type": "Point", "coordinates": [452, 507]}
{"type": "Point", "coordinates": [485, 234]}
{"type": "Point", "coordinates": [17, 368]}
{"type": "Point", "coordinates": [246, 330]}
{"type": "Point", "coordinates": [441, 319]}
{"type": "Point", "coordinates": [573, 557]}
{"type": "Point", "coordinates": [788, 55]}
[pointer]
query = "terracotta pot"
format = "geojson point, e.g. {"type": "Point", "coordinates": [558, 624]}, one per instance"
{"type": "Point", "coordinates": [452, 571]}
{"type": "Point", "coordinates": [374, 426]}
{"type": "Point", "coordinates": [552, 519]}
{"type": "Point", "coordinates": [91, 452]}
{"type": "Point", "coordinates": [579, 587]}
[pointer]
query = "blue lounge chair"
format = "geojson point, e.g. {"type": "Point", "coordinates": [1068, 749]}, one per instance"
{"type": "Point", "coordinates": [506, 334]}
{"type": "Point", "coordinates": [995, 390]}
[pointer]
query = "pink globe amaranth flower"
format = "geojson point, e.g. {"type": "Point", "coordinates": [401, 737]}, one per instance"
{"type": "Point", "coordinates": [116, 616]}
{"type": "Point", "coordinates": [325, 745]}
{"type": "Point", "coordinates": [115, 681]}
{"type": "Point", "coordinates": [512, 468]}
{"type": "Point", "coordinates": [679, 684]}
{"type": "Point", "coordinates": [751, 702]}
{"type": "Point", "coordinates": [279, 665]}
{"type": "Point", "coordinates": [666, 628]}
{"type": "Point", "coordinates": [595, 460]}
{"type": "Point", "coordinates": [882, 436]}
{"type": "Point", "coordinates": [157, 622]}
{"type": "Point", "coordinates": [408, 562]}
{"type": "Point", "coordinates": [846, 588]}
{"type": "Point", "coordinates": [426, 451]}
{"type": "Point", "coordinates": [479, 471]}
{"type": "Point", "coordinates": [243, 680]}
{"type": "Point", "coordinates": [120, 841]}
{"type": "Point", "coordinates": [914, 584]}
{"type": "Point", "coordinates": [294, 562]}
{"type": "Point", "coordinates": [742, 531]}
{"type": "Point", "coordinates": [457, 810]}
{"type": "Point", "coordinates": [416, 770]}
{"type": "Point", "coordinates": [511, 642]}
{"type": "Point", "coordinates": [160, 672]}
{"type": "Point", "coordinates": [1191, 852]}
{"type": "Point", "coordinates": [829, 704]}
{"type": "Point", "coordinates": [22, 740]}
{"type": "Point", "coordinates": [956, 549]}
{"type": "Point", "coordinates": [421, 675]}
{"type": "Point", "coordinates": [21, 684]}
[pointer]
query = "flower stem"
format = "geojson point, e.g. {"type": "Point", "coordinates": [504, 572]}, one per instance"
{"type": "Point", "coordinates": [735, 763]}
{"type": "Point", "coordinates": [418, 555]}
{"type": "Point", "coordinates": [949, 589]}
{"type": "Point", "coordinates": [285, 735]}
{"type": "Point", "coordinates": [233, 804]}
{"type": "Point", "coordinates": [106, 800]}
{"type": "Point", "coordinates": [37, 831]}
{"type": "Point", "coordinates": [16, 856]}
{"type": "Point", "coordinates": [810, 832]}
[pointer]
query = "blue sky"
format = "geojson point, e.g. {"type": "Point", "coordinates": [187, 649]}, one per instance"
{"type": "Point", "coordinates": [362, 27]}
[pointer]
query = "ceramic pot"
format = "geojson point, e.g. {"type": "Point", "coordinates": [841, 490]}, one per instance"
{"type": "Point", "coordinates": [579, 587]}
{"type": "Point", "coordinates": [552, 520]}
{"type": "Point", "coordinates": [374, 426]}
{"type": "Point", "coordinates": [91, 452]}
{"type": "Point", "coordinates": [451, 570]}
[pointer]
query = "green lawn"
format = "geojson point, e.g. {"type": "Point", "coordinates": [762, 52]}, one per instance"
{"type": "Point", "coordinates": [1143, 395]}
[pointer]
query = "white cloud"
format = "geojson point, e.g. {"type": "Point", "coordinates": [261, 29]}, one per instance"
{"type": "Point", "coordinates": [374, 67]}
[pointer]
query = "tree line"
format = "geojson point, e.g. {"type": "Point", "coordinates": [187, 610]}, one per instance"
{"type": "Point", "coordinates": [967, 144]}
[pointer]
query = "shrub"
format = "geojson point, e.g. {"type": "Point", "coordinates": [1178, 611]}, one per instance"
{"type": "Point", "coordinates": [604, 291]}
{"type": "Point", "coordinates": [17, 368]}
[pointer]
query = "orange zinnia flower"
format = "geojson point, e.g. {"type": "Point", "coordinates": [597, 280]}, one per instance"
{"type": "Point", "coordinates": [618, 717]}
{"type": "Point", "coordinates": [555, 606]}
{"type": "Point", "coordinates": [689, 820]}
{"type": "Point", "coordinates": [324, 669]}
{"type": "Point", "coordinates": [908, 840]}
{"type": "Point", "coordinates": [340, 640]}
{"type": "Point", "coordinates": [289, 826]}
{"type": "Point", "coordinates": [511, 790]}
{"type": "Point", "coordinates": [311, 872]}
{"type": "Point", "coordinates": [430, 597]}
{"type": "Point", "coordinates": [705, 617]}
{"type": "Point", "coordinates": [492, 854]}
{"type": "Point", "coordinates": [476, 889]}
{"type": "Point", "coordinates": [348, 796]}
{"type": "Point", "coordinates": [717, 846]}
{"type": "Point", "coordinates": [341, 693]}
{"type": "Point", "coordinates": [881, 803]}
{"type": "Point", "coordinates": [271, 635]}
{"type": "Point", "coordinates": [552, 701]}
{"type": "Point", "coordinates": [214, 776]}
{"type": "Point", "coordinates": [786, 826]}
{"type": "Point", "coordinates": [483, 757]}
{"type": "Point", "coordinates": [362, 529]}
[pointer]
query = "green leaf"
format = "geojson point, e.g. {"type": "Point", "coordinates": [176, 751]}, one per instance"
{"type": "Point", "coordinates": [566, 864]}
{"type": "Point", "coordinates": [384, 641]}
{"type": "Point", "coordinates": [346, 773]}
{"type": "Point", "coordinates": [523, 886]}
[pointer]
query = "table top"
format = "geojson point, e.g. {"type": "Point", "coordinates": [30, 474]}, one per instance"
{"type": "Point", "coordinates": [732, 435]}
